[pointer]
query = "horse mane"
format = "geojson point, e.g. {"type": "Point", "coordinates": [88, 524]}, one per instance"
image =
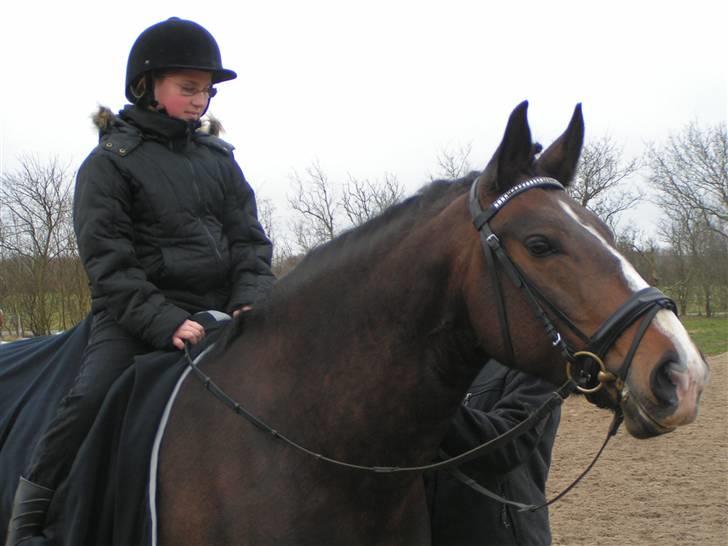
{"type": "Point", "coordinates": [357, 241]}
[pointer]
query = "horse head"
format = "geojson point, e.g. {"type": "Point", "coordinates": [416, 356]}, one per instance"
{"type": "Point", "coordinates": [554, 265]}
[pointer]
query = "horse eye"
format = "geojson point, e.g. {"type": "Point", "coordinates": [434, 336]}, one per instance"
{"type": "Point", "coordinates": [539, 246]}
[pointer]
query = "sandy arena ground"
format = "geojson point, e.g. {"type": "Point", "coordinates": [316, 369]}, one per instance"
{"type": "Point", "coordinates": [667, 490]}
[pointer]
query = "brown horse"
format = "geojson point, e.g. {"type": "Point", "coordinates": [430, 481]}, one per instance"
{"type": "Point", "coordinates": [364, 351]}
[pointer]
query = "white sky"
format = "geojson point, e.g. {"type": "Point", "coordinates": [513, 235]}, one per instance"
{"type": "Point", "coordinates": [371, 87]}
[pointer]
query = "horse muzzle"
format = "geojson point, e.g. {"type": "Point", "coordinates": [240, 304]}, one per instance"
{"type": "Point", "coordinates": [673, 399]}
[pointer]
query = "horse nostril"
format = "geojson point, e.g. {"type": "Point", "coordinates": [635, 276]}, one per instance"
{"type": "Point", "coordinates": [665, 380]}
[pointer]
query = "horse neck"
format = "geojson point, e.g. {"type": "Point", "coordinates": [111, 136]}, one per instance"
{"type": "Point", "coordinates": [380, 346]}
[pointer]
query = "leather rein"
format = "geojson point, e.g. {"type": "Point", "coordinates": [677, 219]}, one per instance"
{"type": "Point", "coordinates": [585, 368]}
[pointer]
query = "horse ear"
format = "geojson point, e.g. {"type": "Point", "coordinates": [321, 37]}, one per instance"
{"type": "Point", "coordinates": [559, 161]}
{"type": "Point", "coordinates": [513, 156]}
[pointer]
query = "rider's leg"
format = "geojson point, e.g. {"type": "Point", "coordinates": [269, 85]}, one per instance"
{"type": "Point", "coordinates": [110, 351]}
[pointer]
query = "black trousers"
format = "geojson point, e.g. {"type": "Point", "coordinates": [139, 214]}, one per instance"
{"type": "Point", "coordinates": [110, 351]}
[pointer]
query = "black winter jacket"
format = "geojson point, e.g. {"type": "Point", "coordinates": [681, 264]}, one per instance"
{"type": "Point", "coordinates": [166, 225]}
{"type": "Point", "coordinates": [499, 399]}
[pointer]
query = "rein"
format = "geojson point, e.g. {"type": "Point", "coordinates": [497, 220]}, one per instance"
{"type": "Point", "coordinates": [470, 482]}
{"type": "Point", "coordinates": [448, 463]}
{"type": "Point", "coordinates": [556, 399]}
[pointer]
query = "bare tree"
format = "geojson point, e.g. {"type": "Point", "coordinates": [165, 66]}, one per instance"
{"type": "Point", "coordinates": [266, 212]}
{"type": "Point", "coordinates": [690, 174]}
{"type": "Point", "coordinates": [713, 261]}
{"type": "Point", "coordinates": [323, 209]}
{"type": "Point", "coordinates": [266, 217]}
{"type": "Point", "coordinates": [283, 255]}
{"type": "Point", "coordinates": [69, 289]}
{"type": "Point", "coordinates": [317, 206]}
{"type": "Point", "coordinates": [453, 164]}
{"type": "Point", "coordinates": [600, 181]}
{"type": "Point", "coordinates": [362, 200]}
{"type": "Point", "coordinates": [642, 252]}
{"type": "Point", "coordinates": [698, 259]}
{"type": "Point", "coordinates": [36, 222]}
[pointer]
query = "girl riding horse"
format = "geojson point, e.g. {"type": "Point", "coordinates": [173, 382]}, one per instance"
{"type": "Point", "coordinates": [166, 226]}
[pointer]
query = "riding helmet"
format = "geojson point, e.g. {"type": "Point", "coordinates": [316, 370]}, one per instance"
{"type": "Point", "coordinates": [174, 43]}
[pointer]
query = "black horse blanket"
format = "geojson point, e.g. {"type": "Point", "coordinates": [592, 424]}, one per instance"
{"type": "Point", "coordinates": [104, 501]}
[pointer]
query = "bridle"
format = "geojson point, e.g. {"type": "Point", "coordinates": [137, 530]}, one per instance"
{"type": "Point", "coordinates": [585, 367]}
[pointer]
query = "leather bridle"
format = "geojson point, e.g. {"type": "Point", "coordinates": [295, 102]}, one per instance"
{"type": "Point", "coordinates": [584, 367]}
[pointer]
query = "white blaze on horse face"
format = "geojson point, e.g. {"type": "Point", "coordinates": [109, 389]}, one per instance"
{"type": "Point", "coordinates": [697, 372]}
{"type": "Point", "coordinates": [634, 280]}
{"type": "Point", "coordinates": [665, 320]}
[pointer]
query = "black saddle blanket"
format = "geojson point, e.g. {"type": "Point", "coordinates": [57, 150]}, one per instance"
{"type": "Point", "coordinates": [104, 501]}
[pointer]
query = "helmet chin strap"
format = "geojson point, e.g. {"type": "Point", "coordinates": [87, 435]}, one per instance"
{"type": "Point", "coordinates": [147, 100]}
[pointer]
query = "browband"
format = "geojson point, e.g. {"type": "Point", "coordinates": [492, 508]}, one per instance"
{"type": "Point", "coordinates": [481, 217]}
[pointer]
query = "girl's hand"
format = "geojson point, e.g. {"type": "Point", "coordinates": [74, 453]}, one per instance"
{"type": "Point", "coordinates": [243, 309]}
{"type": "Point", "coordinates": [190, 331]}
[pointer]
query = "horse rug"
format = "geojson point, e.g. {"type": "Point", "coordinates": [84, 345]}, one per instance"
{"type": "Point", "coordinates": [104, 501]}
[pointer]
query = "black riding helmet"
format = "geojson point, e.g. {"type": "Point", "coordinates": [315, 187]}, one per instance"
{"type": "Point", "coordinates": [174, 43]}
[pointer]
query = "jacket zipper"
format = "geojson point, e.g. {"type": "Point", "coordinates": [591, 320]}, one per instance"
{"type": "Point", "coordinates": [469, 395]}
{"type": "Point", "coordinates": [199, 220]}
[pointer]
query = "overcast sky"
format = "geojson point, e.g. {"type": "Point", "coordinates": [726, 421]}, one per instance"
{"type": "Point", "coordinates": [367, 88]}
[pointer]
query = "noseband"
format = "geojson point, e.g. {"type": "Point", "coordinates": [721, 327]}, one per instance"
{"type": "Point", "coordinates": [585, 367]}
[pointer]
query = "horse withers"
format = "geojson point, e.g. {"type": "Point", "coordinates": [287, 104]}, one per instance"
{"type": "Point", "coordinates": [364, 351]}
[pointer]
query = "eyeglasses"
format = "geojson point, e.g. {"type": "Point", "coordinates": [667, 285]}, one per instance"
{"type": "Point", "coordinates": [189, 91]}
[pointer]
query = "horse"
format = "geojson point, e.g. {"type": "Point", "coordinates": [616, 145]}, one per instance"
{"type": "Point", "coordinates": [363, 352]}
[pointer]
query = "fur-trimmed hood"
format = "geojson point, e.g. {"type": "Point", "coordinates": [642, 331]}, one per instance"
{"type": "Point", "coordinates": [104, 119]}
